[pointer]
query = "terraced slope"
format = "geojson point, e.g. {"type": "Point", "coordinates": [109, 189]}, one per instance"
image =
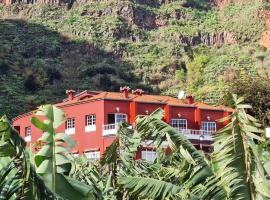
{"type": "Point", "coordinates": [159, 46]}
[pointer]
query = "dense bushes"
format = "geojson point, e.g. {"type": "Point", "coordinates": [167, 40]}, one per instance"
{"type": "Point", "coordinates": [257, 93]}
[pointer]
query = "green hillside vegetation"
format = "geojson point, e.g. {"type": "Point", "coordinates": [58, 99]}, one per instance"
{"type": "Point", "coordinates": [102, 45]}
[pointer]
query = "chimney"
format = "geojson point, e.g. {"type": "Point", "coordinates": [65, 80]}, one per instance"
{"type": "Point", "coordinates": [70, 94]}
{"type": "Point", "coordinates": [124, 90]}
{"type": "Point", "coordinates": [190, 99]}
{"type": "Point", "coordinates": [138, 92]}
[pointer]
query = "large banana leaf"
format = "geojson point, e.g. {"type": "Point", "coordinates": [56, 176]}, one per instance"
{"type": "Point", "coordinates": [53, 160]}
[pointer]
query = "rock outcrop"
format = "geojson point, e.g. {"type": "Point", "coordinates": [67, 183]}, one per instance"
{"type": "Point", "coordinates": [208, 39]}
{"type": "Point", "coordinates": [265, 37]}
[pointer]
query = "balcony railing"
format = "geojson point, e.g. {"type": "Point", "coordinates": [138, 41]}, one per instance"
{"type": "Point", "coordinates": [110, 129]}
{"type": "Point", "coordinates": [197, 134]}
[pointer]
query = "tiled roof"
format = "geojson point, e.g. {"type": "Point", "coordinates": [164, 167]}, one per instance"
{"type": "Point", "coordinates": [88, 96]}
{"type": "Point", "coordinates": [210, 107]}
{"type": "Point", "coordinates": [145, 98]}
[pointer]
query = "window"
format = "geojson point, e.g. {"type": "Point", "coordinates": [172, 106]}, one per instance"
{"type": "Point", "coordinates": [208, 126]}
{"type": "Point", "coordinates": [116, 118]}
{"type": "Point", "coordinates": [92, 155]}
{"type": "Point", "coordinates": [90, 120]}
{"type": "Point", "coordinates": [179, 123]}
{"type": "Point", "coordinates": [28, 131]}
{"type": "Point", "coordinates": [17, 128]}
{"type": "Point", "coordinates": [120, 118]}
{"type": "Point", "coordinates": [149, 155]}
{"type": "Point", "coordinates": [28, 134]}
{"type": "Point", "coordinates": [70, 124]}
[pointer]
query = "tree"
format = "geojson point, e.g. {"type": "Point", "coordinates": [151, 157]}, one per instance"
{"type": "Point", "coordinates": [256, 92]}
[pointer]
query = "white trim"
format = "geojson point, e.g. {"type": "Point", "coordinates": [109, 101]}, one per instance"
{"type": "Point", "coordinates": [175, 123]}
{"type": "Point", "coordinates": [208, 124]}
{"type": "Point", "coordinates": [70, 131]}
{"type": "Point", "coordinates": [90, 128]}
{"type": "Point", "coordinates": [28, 138]}
{"type": "Point", "coordinates": [149, 155]}
{"type": "Point", "coordinates": [123, 114]}
{"type": "Point", "coordinates": [92, 155]}
{"type": "Point", "coordinates": [91, 119]}
{"type": "Point", "coordinates": [110, 129]}
{"type": "Point", "coordinates": [196, 134]}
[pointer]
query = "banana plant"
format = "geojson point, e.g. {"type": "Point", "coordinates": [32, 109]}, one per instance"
{"type": "Point", "coordinates": [236, 169]}
{"type": "Point", "coordinates": [96, 176]}
{"type": "Point", "coordinates": [53, 161]}
{"type": "Point", "coordinates": [18, 179]}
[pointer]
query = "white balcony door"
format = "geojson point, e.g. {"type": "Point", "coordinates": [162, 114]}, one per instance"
{"type": "Point", "coordinates": [115, 118]}
{"type": "Point", "coordinates": [209, 126]}
{"type": "Point", "coordinates": [179, 123]}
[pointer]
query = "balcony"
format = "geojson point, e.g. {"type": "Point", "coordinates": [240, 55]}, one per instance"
{"type": "Point", "coordinates": [197, 134]}
{"type": "Point", "coordinates": [110, 129]}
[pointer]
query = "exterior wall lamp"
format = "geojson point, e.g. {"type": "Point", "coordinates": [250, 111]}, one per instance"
{"type": "Point", "coordinates": [179, 115]}
{"type": "Point", "coordinates": [117, 109]}
{"type": "Point", "coordinates": [201, 138]}
{"type": "Point", "coordinates": [147, 112]}
{"type": "Point", "coordinates": [208, 118]}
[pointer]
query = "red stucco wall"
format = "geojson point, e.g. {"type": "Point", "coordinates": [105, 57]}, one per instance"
{"type": "Point", "coordinates": [187, 113]}
{"type": "Point", "coordinates": [95, 139]}
{"type": "Point", "coordinates": [214, 115]}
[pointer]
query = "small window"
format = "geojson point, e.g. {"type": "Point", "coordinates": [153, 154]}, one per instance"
{"type": "Point", "coordinates": [70, 123]}
{"type": "Point", "coordinates": [92, 155]}
{"type": "Point", "coordinates": [149, 155]}
{"type": "Point", "coordinates": [179, 123]}
{"type": "Point", "coordinates": [209, 126]}
{"type": "Point", "coordinates": [90, 120]}
{"type": "Point", "coordinates": [28, 131]}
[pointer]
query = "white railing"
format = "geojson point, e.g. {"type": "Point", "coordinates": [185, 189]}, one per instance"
{"type": "Point", "coordinates": [197, 134]}
{"type": "Point", "coordinates": [110, 129]}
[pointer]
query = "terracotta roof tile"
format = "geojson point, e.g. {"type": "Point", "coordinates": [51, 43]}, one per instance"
{"type": "Point", "coordinates": [96, 95]}
{"type": "Point", "coordinates": [141, 98]}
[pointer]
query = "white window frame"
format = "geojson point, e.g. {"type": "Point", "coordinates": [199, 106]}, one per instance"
{"type": "Point", "coordinates": [92, 155]}
{"type": "Point", "coordinates": [91, 120]}
{"type": "Point", "coordinates": [28, 133]}
{"type": "Point", "coordinates": [70, 125]}
{"type": "Point", "coordinates": [90, 123]}
{"type": "Point", "coordinates": [149, 155]}
{"type": "Point", "coordinates": [209, 126]}
{"type": "Point", "coordinates": [123, 117]}
{"type": "Point", "coordinates": [179, 123]}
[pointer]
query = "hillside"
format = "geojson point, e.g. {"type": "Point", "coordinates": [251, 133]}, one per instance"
{"type": "Point", "coordinates": [159, 46]}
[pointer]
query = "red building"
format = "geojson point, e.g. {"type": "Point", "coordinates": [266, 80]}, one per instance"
{"type": "Point", "coordinates": [93, 117]}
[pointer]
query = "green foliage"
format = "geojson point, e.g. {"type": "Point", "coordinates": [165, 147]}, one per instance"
{"type": "Point", "coordinates": [18, 178]}
{"type": "Point", "coordinates": [256, 92]}
{"type": "Point", "coordinates": [232, 171]}
{"type": "Point", "coordinates": [101, 45]}
{"type": "Point", "coordinates": [53, 161]}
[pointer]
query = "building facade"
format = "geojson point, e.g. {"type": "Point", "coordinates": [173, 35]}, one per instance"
{"type": "Point", "coordinates": [93, 118]}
